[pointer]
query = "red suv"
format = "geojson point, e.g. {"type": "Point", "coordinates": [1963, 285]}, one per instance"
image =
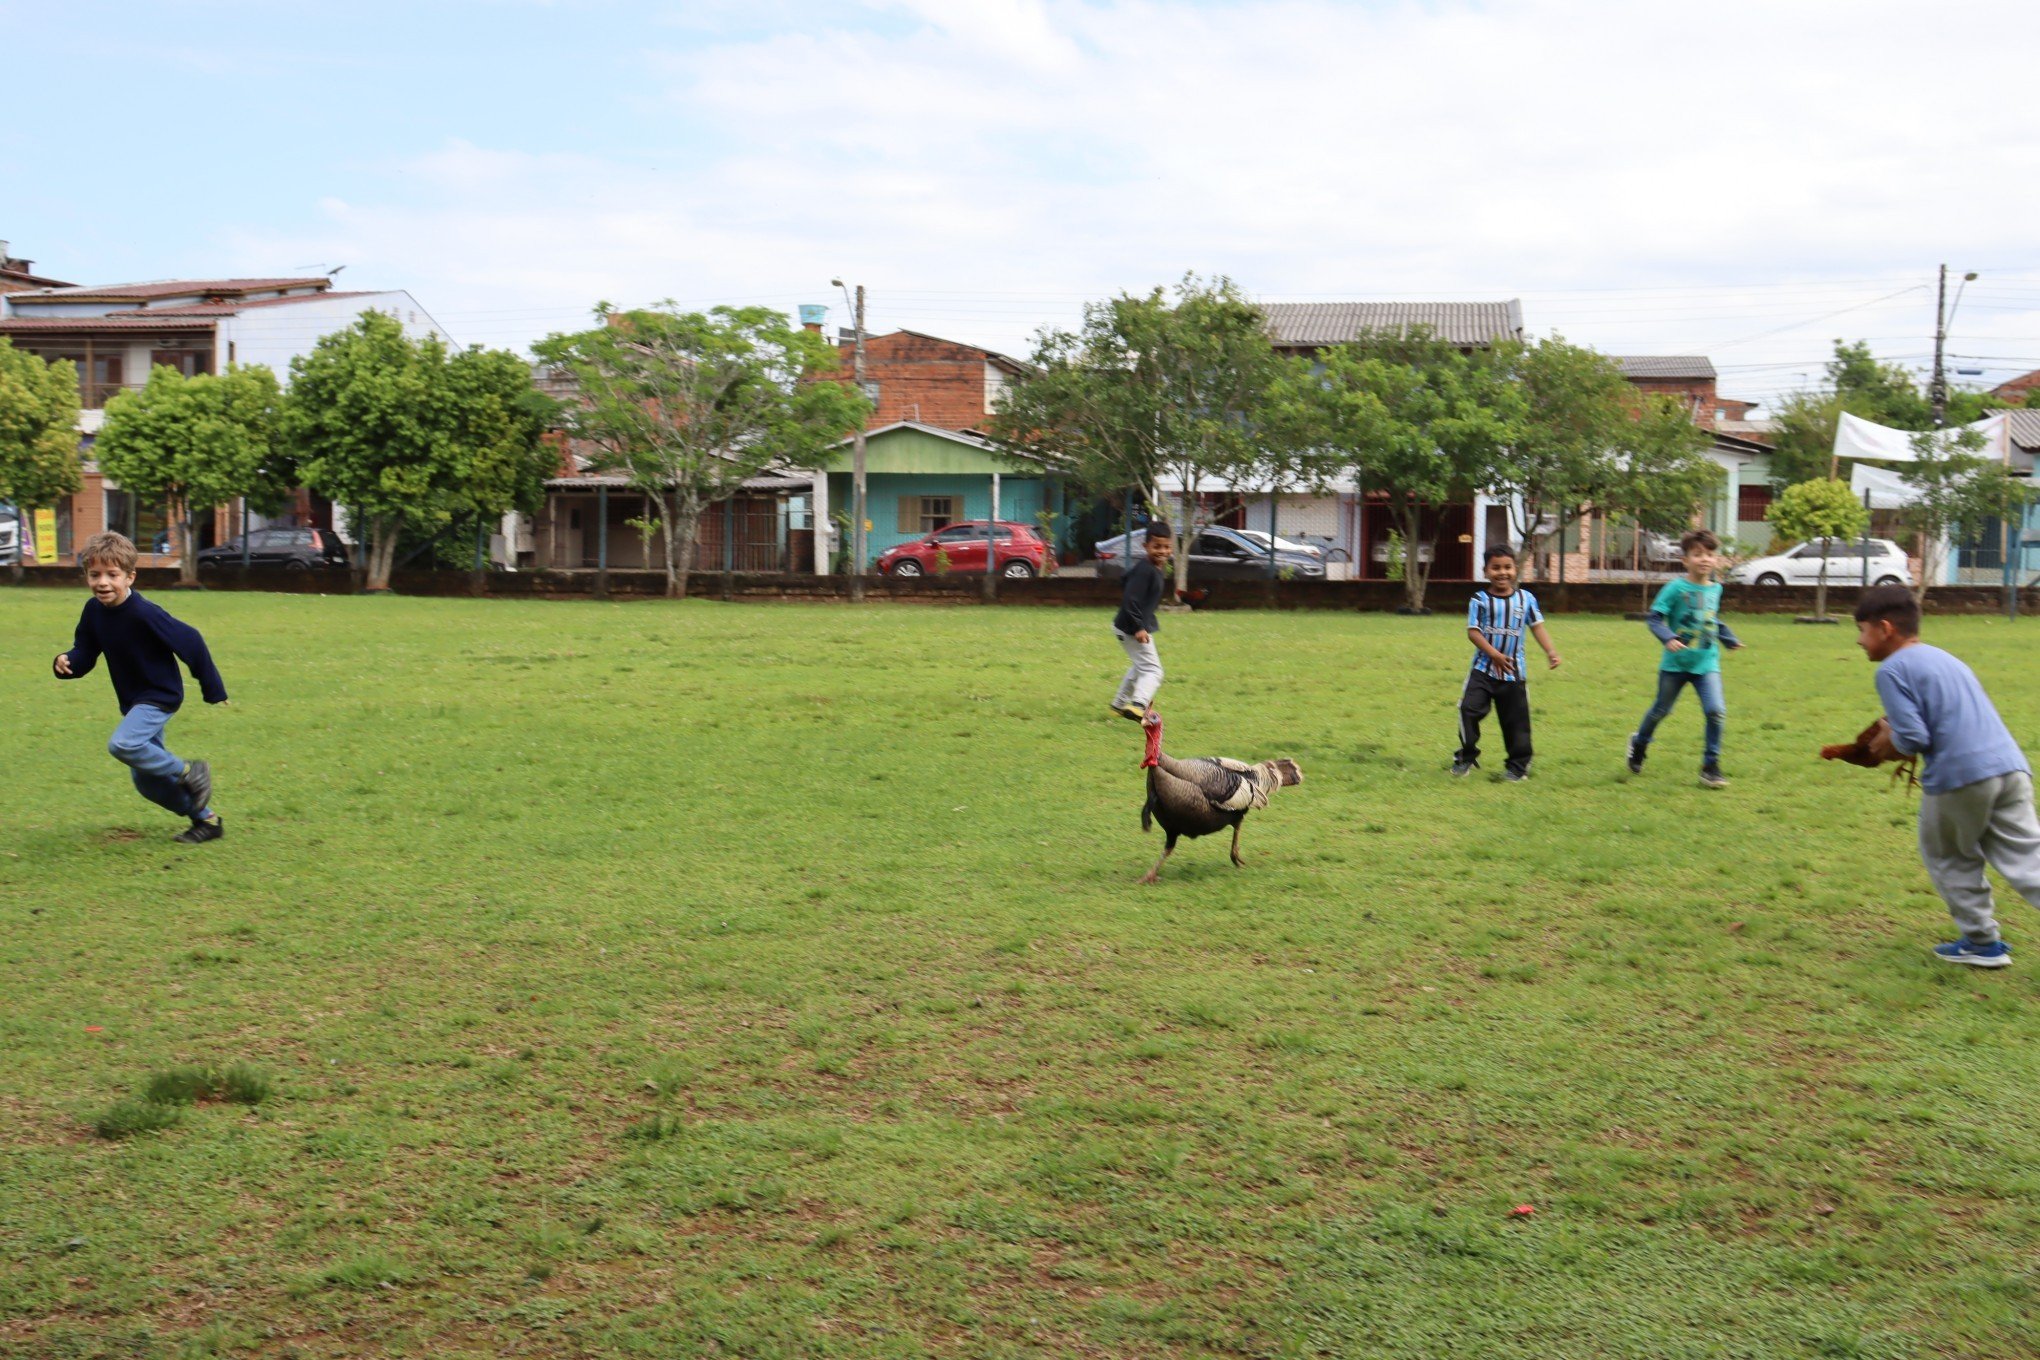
{"type": "Point", "coordinates": [1021, 552]}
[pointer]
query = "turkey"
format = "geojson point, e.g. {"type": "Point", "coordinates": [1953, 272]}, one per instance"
{"type": "Point", "coordinates": [1198, 797]}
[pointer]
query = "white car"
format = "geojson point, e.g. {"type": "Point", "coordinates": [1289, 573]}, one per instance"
{"type": "Point", "coordinates": [1801, 565]}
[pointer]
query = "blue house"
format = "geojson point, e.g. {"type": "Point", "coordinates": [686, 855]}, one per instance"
{"type": "Point", "coordinates": [919, 478]}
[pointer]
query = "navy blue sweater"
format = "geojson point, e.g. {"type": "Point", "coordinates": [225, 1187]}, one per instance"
{"type": "Point", "coordinates": [142, 645]}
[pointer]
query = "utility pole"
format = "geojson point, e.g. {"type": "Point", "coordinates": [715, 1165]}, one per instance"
{"type": "Point", "coordinates": [1937, 388]}
{"type": "Point", "coordinates": [858, 509]}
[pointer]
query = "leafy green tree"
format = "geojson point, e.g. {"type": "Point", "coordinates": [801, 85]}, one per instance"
{"type": "Point", "coordinates": [1824, 509]}
{"type": "Point", "coordinates": [1858, 383]}
{"type": "Point", "coordinates": [196, 442]}
{"type": "Point", "coordinates": [412, 437]}
{"type": "Point", "coordinates": [1424, 425]}
{"type": "Point", "coordinates": [1152, 387]}
{"type": "Point", "coordinates": [39, 462]}
{"type": "Point", "coordinates": [1566, 454]}
{"type": "Point", "coordinates": [1663, 473]}
{"type": "Point", "coordinates": [1952, 484]}
{"type": "Point", "coordinates": [688, 405]}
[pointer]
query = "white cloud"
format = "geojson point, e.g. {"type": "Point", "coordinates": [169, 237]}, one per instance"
{"type": "Point", "coordinates": [983, 166]}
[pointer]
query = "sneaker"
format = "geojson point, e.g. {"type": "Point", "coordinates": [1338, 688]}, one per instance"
{"type": "Point", "coordinates": [1996, 954]}
{"type": "Point", "coordinates": [1515, 776]}
{"type": "Point", "coordinates": [197, 782]}
{"type": "Point", "coordinates": [1463, 768]}
{"type": "Point", "coordinates": [1133, 712]}
{"type": "Point", "coordinates": [1636, 752]}
{"type": "Point", "coordinates": [200, 832]}
{"type": "Point", "coordinates": [1711, 777]}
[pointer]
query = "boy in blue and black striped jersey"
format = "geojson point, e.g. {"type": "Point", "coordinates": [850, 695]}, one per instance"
{"type": "Point", "coordinates": [1496, 621]}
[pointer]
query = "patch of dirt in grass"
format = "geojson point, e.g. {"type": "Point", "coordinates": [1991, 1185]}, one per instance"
{"type": "Point", "coordinates": [120, 834]}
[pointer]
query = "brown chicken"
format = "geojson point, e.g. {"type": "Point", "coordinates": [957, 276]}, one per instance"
{"type": "Point", "coordinates": [1199, 796]}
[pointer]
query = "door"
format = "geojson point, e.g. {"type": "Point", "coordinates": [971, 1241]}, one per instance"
{"type": "Point", "coordinates": [265, 547]}
{"type": "Point", "coordinates": [964, 546]}
{"type": "Point", "coordinates": [1214, 557]}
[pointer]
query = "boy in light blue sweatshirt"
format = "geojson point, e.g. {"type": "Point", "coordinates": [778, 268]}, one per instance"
{"type": "Point", "coordinates": [1978, 804]}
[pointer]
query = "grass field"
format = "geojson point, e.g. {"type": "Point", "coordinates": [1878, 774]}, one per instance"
{"type": "Point", "coordinates": [761, 981]}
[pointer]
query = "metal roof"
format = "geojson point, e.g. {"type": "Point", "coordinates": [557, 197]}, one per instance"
{"type": "Point", "coordinates": [232, 308]}
{"type": "Point", "coordinates": [616, 481]}
{"type": "Point", "coordinates": [1303, 325]}
{"type": "Point", "coordinates": [2025, 428]}
{"type": "Point", "coordinates": [1665, 367]}
{"type": "Point", "coordinates": [141, 292]}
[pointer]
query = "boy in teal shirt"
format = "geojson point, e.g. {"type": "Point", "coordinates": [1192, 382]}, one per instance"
{"type": "Point", "coordinates": [1686, 618]}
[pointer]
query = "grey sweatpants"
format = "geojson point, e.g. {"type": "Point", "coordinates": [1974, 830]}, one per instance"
{"type": "Point", "coordinates": [1990, 821]}
{"type": "Point", "coordinates": [1144, 674]}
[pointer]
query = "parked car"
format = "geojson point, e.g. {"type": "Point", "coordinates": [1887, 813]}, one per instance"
{"type": "Point", "coordinates": [1801, 565]}
{"type": "Point", "coordinates": [1218, 554]}
{"type": "Point", "coordinates": [291, 549]}
{"type": "Point", "coordinates": [1259, 537]}
{"type": "Point", "coordinates": [1022, 553]}
{"type": "Point", "coordinates": [10, 535]}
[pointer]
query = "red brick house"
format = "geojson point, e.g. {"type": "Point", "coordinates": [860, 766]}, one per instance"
{"type": "Point", "coordinates": [2018, 391]}
{"type": "Point", "coordinates": [926, 380]}
{"type": "Point", "coordinates": [1688, 379]}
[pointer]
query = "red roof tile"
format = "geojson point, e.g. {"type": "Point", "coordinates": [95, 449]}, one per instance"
{"type": "Point", "coordinates": [17, 325]}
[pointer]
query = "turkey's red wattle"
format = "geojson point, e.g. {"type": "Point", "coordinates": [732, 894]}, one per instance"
{"type": "Point", "coordinates": [1153, 727]}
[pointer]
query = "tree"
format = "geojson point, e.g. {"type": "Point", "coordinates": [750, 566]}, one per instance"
{"type": "Point", "coordinates": [413, 437]}
{"type": "Point", "coordinates": [1424, 424]}
{"type": "Point", "coordinates": [196, 442]}
{"type": "Point", "coordinates": [1824, 509]}
{"type": "Point", "coordinates": [38, 431]}
{"type": "Point", "coordinates": [1149, 388]}
{"type": "Point", "coordinates": [1664, 472]}
{"type": "Point", "coordinates": [1952, 484]}
{"type": "Point", "coordinates": [1856, 382]}
{"type": "Point", "coordinates": [1565, 456]}
{"type": "Point", "coordinates": [689, 405]}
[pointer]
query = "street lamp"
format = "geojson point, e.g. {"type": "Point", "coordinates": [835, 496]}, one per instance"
{"type": "Point", "coordinates": [857, 506]}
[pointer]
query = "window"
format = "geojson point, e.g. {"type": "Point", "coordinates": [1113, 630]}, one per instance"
{"type": "Point", "coordinates": [961, 533]}
{"type": "Point", "coordinates": [1211, 545]}
{"type": "Point", "coordinates": [1752, 503]}
{"type": "Point", "coordinates": [926, 514]}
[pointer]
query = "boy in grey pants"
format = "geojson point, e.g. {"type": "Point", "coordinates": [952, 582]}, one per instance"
{"type": "Point", "coordinates": [1978, 806]}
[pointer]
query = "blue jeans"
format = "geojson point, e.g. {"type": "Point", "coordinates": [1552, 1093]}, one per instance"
{"type": "Point", "coordinates": [138, 744]}
{"type": "Point", "coordinates": [1707, 684]}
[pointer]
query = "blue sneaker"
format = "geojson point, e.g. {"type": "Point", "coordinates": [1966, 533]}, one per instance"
{"type": "Point", "coordinates": [1996, 954]}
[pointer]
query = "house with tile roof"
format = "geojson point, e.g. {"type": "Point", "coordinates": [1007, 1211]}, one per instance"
{"type": "Point", "coordinates": [117, 333]}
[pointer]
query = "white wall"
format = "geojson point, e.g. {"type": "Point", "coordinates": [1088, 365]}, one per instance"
{"type": "Point", "coordinates": [276, 335]}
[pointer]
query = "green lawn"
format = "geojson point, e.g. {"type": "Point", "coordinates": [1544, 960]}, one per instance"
{"type": "Point", "coordinates": [757, 981]}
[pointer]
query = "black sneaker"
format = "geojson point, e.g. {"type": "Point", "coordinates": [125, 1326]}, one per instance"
{"type": "Point", "coordinates": [200, 832]}
{"type": "Point", "coordinates": [1515, 776]}
{"type": "Point", "coordinates": [197, 782]}
{"type": "Point", "coordinates": [1711, 777]}
{"type": "Point", "coordinates": [1636, 753]}
{"type": "Point", "coordinates": [1463, 768]}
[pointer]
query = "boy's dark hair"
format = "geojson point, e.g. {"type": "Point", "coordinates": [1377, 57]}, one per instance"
{"type": "Point", "coordinates": [1497, 550]}
{"type": "Point", "coordinates": [1158, 529]}
{"type": "Point", "coordinates": [1895, 603]}
{"type": "Point", "coordinates": [1697, 538]}
{"type": "Point", "coordinates": [117, 550]}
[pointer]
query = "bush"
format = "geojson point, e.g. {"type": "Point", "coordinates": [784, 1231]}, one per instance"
{"type": "Point", "coordinates": [240, 1084]}
{"type": "Point", "coordinates": [129, 1117]}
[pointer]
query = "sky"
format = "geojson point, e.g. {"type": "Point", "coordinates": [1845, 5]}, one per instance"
{"type": "Point", "coordinates": [1748, 181]}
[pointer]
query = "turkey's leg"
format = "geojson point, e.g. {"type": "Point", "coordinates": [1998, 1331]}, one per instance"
{"type": "Point", "coordinates": [1167, 851]}
{"type": "Point", "coordinates": [1237, 861]}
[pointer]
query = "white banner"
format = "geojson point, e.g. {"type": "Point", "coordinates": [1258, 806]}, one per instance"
{"type": "Point", "coordinates": [1888, 490]}
{"type": "Point", "coordinates": [1856, 437]}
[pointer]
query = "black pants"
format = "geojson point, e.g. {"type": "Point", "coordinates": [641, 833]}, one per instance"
{"type": "Point", "coordinates": [1511, 702]}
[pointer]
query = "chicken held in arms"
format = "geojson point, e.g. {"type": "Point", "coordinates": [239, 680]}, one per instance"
{"type": "Point", "coordinates": [1199, 796]}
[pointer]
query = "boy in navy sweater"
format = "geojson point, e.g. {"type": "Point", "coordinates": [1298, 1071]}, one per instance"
{"type": "Point", "coordinates": [1135, 626]}
{"type": "Point", "coordinates": [142, 645]}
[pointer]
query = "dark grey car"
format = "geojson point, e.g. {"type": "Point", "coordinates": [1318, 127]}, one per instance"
{"type": "Point", "coordinates": [292, 549]}
{"type": "Point", "coordinates": [1216, 554]}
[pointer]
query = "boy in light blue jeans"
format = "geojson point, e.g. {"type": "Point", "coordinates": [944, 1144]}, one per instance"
{"type": "Point", "coordinates": [1686, 618]}
{"type": "Point", "coordinates": [142, 645]}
